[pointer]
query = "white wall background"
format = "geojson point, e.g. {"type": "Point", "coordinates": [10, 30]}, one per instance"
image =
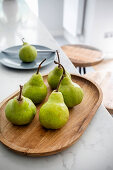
{"type": "Point", "coordinates": [51, 14]}
{"type": "Point", "coordinates": [99, 20]}
{"type": "Point", "coordinates": [70, 16]}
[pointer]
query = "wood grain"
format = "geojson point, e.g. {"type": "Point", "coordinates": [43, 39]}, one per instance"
{"type": "Point", "coordinates": [105, 80]}
{"type": "Point", "coordinates": [34, 140]}
{"type": "Point", "coordinates": [82, 57]}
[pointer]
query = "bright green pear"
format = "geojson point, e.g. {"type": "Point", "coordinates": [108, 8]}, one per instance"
{"type": "Point", "coordinates": [54, 77]}
{"type": "Point", "coordinates": [35, 89]}
{"type": "Point", "coordinates": [20, 111]}
{"type": "Point", "coordinates": [72, 92]}
{"type": "Point", "coordinates": [27, 53]}
{"type": "Point", "coordinates": [54, 113]}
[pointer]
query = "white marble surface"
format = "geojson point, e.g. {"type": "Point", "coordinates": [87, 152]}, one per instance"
{"type": "Point", "coordinates": [93, 151]}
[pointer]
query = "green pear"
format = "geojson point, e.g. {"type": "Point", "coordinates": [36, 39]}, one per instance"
{"type": "Point", "coordinates": [20, 110]}
{"type": "Point", "coordinates": [55, 75]}
{"type": "Point", "coordinates": [54, 113]}
{"type": "Point", "coordinates": [35, 89]}
{"type": "Point", "coordinates": [27, 53]}
{"type": "Point", "coordinates": [72, 92]}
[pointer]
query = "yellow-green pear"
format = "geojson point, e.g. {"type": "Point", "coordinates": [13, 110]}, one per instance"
{"type": "Point", "coordinates": [27, 53]}
{"type": "Point", "coordinates": [20, 110]}
{"type": "Point", "coordinates": [54, 113]}
{"type": "Point", "coordinates": [35, 89]}
{"type": "Point", "coordinates": [55, 75]}
{"type": "Point", "coordinates": [72, 92]}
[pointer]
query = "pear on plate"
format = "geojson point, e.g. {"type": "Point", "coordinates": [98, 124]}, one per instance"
{"type": "Point", "coordinates": [54, 114]}
{"type": "Point", "coordinates": [20, 110]}
{"type": "Point", "coordinates": [35, 89]}
{"type": "Point", "coordinates": [27, 52]}
{"type": "Point", "coordinates": [55, 75]}
{"type": "Point", "coordinates": [72, 92]}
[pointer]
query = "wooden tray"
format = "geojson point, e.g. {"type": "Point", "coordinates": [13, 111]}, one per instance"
{"type": "Point", "coordinates": [34, 140]}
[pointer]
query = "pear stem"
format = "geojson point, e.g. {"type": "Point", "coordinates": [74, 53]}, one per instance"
{"type": "Point", "coordinates": [63, 75]}
{"type": "Point", "coordinates": [23, 40]}
{"type": "Point", "coordinates": [58, 59]}
{"type": "Point", "coordinates": [60, 82]}
{"type": "Point", "coordinates": [64, 72]}
{"type": "Point", "coordinates": [20, 94]}
{"type": "Point", "coordinates": [40, 66]}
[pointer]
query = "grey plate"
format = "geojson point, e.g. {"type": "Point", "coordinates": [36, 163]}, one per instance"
{"type": "Point", "coordinates": [13, 61]}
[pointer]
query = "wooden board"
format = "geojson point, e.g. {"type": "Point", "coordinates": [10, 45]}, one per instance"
{"type": "Point", "coordinates": [105, 81]}
{"type": "Point", "coordinates": [105, 65]}
{"type": "Point", "coordinates": [82, 56]}
{"type": "Point", "coordinates": [34, 140]}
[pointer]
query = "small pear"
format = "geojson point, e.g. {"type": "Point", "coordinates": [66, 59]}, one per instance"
{"type": "Point", "coordinates": [54, 113]}
{"type": "Point", "coordinates": [20, 110]}
{"type": "Point", "coordinates": [72, 92]}
{"type": "Point", "coordinates": [27, 52]}
{"type": "Point", "coordinates": [35, 89]}
{"type": "Point", "coordinates": [55, 75]}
